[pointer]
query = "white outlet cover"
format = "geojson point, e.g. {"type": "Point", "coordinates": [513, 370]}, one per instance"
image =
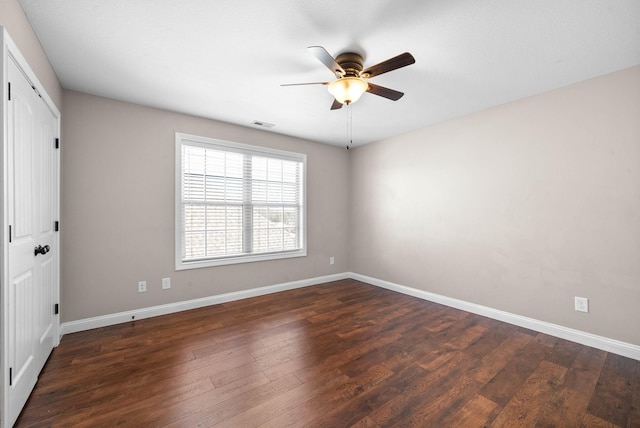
{"type": "Point", "coordinates": [582, 304]}
{"type": "Point", "coordinates": [166, 283]}
{"type": "Point", "coordinates": [142, 286]}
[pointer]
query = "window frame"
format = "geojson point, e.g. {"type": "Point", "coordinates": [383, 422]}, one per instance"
{"type": "Point", "coordinates": [194, 140]}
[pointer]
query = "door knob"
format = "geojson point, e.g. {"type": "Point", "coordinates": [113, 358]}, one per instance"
{"type": "Point", "coordinates": [41, 250]}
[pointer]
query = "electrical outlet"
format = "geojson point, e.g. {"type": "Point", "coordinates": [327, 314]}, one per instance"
{"type": "Point", "coordinates": [166, 283]}
{"type": "Point", "coordinates": [331, 260]}
{"type": "Point", "coordinates": [142, 286]}
{"type": "Point", "coordinates": [582, 304]}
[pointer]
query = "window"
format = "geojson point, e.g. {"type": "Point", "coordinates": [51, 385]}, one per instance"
{"type": "Point", "coordinates": [237, 203]}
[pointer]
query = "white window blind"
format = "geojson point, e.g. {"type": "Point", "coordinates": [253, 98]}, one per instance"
{"type": "Point", "coordinates": [237, 203]}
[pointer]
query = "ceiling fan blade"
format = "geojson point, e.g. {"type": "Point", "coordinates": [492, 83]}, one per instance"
{"type": "Point", "coordinates": [326, 58]}
{"type": "Point", "coordinates": [384, 92]}
{"type": "Point", "coordinates": [336, 105]}
{"type": "Point", "coordinates": [301, 84]}
{"type": "Point", "coordinates": [391, 64]}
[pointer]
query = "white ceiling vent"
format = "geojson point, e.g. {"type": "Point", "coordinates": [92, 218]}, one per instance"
{"type": "Point", "coordinates": [263, 124]}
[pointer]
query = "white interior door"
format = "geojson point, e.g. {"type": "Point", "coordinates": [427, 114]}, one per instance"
{"type": "Point", "coordinates": [32, 192]}
{"type": "Point", "coordinates": [45, 264]}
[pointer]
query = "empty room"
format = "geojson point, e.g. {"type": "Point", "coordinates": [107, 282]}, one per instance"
{"type": "Point", "coordinates": [320, 213]}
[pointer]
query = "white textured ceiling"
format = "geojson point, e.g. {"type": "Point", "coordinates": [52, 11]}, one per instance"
{"type": "Point", "coordinates": [226, 60]}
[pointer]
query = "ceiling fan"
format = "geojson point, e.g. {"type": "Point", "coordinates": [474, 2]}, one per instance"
{"type": "Point", "coordinates": [351, 79]}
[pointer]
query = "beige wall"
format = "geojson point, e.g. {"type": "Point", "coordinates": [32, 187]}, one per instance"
{"type": "Point", "coordinates": [118, 209]}
{"type": "Point", "coordinates": [519, 208]}
{"type": "Point", "coordinates": [13, 19]}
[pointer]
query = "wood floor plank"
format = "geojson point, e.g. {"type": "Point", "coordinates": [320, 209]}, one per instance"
{"type": "Point", "coordinates": [351, 412]}
{"type": "Point", "coordinates": [209, 415]}
{"type": "Point", "coordinates": [502, 387]}
{"type": "Point", "coordinates": [365, 422]}
{"type": "Point", "coordinates": [487, 343]}
{"type": "Point", "coordinates": [531, 398]}
{"type": "Point", "coordinates": [565, 407]}
{"type": "Point", "coordinates": [423, 391]}
{"type": "Point", "coordinates": [564, 353]}
{"type": "Point", "coordinates": [585, 371]}
{"type": "Point", "coordinates": [284, 409]}
{"type": "Point", "coordinates": [590, 421]}
{"type": "Point", "coordinates": [456, 323]}
{"type": "Point", "coordinates": [477, 412]}
{"type": "Point", "coordinates": [492, 363]}
{"type": "Point", "coordinates": [176, 411]}
{"type": "Point", "coordinates": [613, 392]}
{"type": "Point", "coordinates": [568, 405]}
{"type": "Point", "coordinates": [409, 329]}
{"type": "Point", "coordinates": [342, 393]}
{"type": "Point", "coordinates": [634, 413]}
{"type": "Point", "coordinates": [440, 407]}
{"type": "Point", "coordinates": [343, 353]}
{"type": "Point", "coordinates": [138, 409]}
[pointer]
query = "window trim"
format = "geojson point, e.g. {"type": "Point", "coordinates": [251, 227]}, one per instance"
{"type": "Point", "coordinates": [235, 259]}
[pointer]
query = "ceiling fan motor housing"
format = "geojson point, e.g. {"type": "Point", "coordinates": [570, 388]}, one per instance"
{"type": "Point", "coordinates": [351, 63]}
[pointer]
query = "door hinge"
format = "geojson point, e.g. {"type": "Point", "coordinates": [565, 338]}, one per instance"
{"type": "Point", "coordinates": [56, 309]}
{"type": "Point", "coordinates": [10, 376]}
{"type": "Point", "coordinates": [56, 226]}
{"type": "Point", "coordinates": [9, 233]}
{"type": "Point", "coordinates": [57, 143]}
{"type": "Point", "coordinates": [9, 90]}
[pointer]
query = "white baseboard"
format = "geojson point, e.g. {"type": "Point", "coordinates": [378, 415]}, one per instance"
{"type": "Point", "coordinates": [610, 345]}
{"type": "Point", "coordinates": [138, 314]}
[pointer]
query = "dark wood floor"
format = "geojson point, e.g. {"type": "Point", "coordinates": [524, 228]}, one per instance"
{"type": "Point", "coordinates": [339, 354]}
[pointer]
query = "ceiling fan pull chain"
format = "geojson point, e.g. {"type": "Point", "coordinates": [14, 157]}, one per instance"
{"type": "Point", "coordinates": [349, 126]}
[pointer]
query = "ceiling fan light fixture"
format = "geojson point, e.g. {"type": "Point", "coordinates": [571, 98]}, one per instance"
{"type": "Point", "coordinates": [347, 90]}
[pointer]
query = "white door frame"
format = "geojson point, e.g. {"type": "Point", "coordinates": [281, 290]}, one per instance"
{"type": "Point", "coordinates": [10, 50]}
